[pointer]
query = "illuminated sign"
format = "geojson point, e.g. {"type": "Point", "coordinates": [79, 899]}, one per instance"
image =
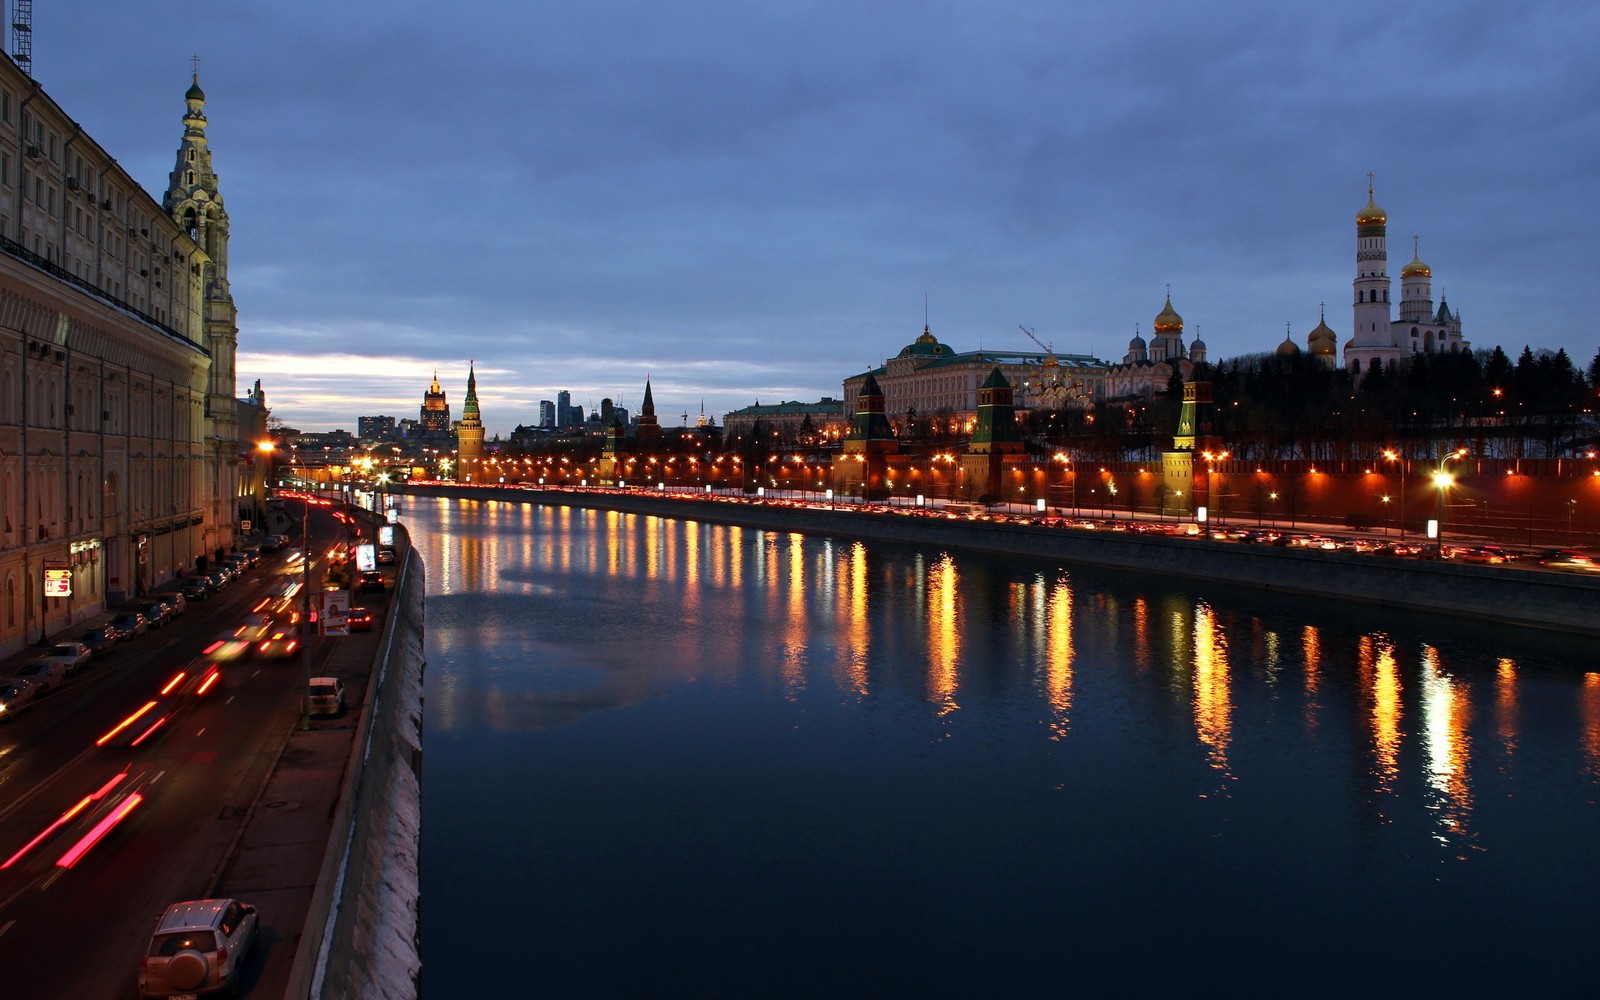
{"type": "Point", "coordinates": [386, 536]}
{"type": "Point", "coordinates": [366, 557]}
{"type": "Point", "coordinates": [57, 582]}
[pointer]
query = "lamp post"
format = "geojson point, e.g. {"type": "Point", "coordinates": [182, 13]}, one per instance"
{"type": "Point", "coordinates": [305, 613]}
{"type": "Point", "coordinates": [1390, 455]}
{"type": "Point", "coordinates": [1442, 481]}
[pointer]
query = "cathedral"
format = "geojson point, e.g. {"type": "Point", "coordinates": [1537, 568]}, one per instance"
{"type": "Point", "coordinates": [1147, 368]}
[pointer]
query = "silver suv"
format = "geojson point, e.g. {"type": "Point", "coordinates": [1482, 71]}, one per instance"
{"type": "Point", "coordinates": [198, 947]}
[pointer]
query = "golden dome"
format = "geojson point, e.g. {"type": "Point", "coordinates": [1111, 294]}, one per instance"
{"type": "Point", "coordinates": [1416, 269]}
{"type": "Point", "coordinates": [1323, 340]}
{"type": "Point", "coordinates": [1372, 215]}
{"type": "Point", "coordinates": [1168, 321]}
{"type": "Point", "coordinates": [1288, 348]}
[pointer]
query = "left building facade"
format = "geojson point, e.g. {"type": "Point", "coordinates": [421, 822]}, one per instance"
{"type": "Point", "coordinates": [121, 459]}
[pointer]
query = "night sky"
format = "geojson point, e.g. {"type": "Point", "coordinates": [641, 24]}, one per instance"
{"type": "Point", "coordinates": [751, 201]}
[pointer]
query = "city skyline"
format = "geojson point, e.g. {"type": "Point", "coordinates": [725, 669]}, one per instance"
{"type": "Point", "coordinates": [751, 205]}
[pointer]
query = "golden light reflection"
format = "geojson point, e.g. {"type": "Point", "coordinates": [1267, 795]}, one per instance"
{"type": "Point", "coordinates": [692, 531]}
{"type": "Point", "coordinates": [853, 612]}
{"type": "Point", "coordinates": [1311, 649]}
{"type": "Point", "coordinates": [1590, 707]}
{"type": "Point", "coordinates": [944, 637]}
{"type": "Point", "coordinates": [1384, 690]}
{"type": "Point", "coordinates": [650, 528]}
{"type": "Point", "coordinates": [736, 544]}
{"type": "Point", "coordinates": [1058, 666]}
{"type": "Point", "coordinates": [1141, 633]}
{"type": "Point", "coordinates": [1505, 704]}
{"type": "Point", "coordinates": [1213, 705]}
{"type": "Point", "coordinates": [794, 621]}
{"type": "Point", "coordinates": [1446, 712]}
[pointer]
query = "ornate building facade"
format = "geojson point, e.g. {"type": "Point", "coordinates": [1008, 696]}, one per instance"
{"type": "Point", "coordinates": [434, 418]}
{"type": "Point", "coordinates": [1376, 336]}
{"type": "Point", "coordinates": [1147, 368]}
{"type": "Point", "coordinates": [121, 459]}
{"type": "Point", "coordinates": [929, 380]}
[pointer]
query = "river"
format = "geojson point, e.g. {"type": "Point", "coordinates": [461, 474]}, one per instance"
{"type": "Point", "coordinates": [666, 758]}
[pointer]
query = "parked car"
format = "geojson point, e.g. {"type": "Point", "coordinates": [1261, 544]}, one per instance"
{"type": "Point", "coordinates": [358, 620]}
{"type": "Point", "coordinates": [325, 696]}
{"type": "Point", "coordinates": [155, 614]}
{"type": "Point", "coordinates": [16, 696]}
{"type": "Point", "coordinates": [198, 947]}
{"type": "Point", "coordinates": [370, 580]}
{"type": "Point", "coordinates": [217, 579]}
{"type": "Point", "coordinates": [72, 655]}
{"type": "Point", "coordinates": [195, 588]}
{"type": "Point", "coordinates": [46, 675]}
{"type": "Point", "coordinates": [99, 639]}
{"type": "Point", "coordinates": [129, 625]}
{"type": "Point", "coordinates": [386, 557]}
{"type": "Point", "coordinates": [176, 603]}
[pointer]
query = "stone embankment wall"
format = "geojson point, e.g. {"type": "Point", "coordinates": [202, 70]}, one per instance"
{"type": "Point", "coordinates": [1547, 600]}
{"type": "Point", "coordinates": [363, 926]}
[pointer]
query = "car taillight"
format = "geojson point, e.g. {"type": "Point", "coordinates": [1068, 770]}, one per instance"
{"type": "Point", "coordinates": [222, 955]}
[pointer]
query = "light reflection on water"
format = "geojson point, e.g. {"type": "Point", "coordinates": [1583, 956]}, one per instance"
{"type": "Point", "coordinates": [790, 745]}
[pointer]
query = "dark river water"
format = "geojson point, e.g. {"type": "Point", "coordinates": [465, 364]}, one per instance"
{"type": "Point", "coordinates": [672, 759]}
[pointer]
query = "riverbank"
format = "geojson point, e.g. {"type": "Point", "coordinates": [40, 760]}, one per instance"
{"type": "Point", "coordinates": [1507, 595]}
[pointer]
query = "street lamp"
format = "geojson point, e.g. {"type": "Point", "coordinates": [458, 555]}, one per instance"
{"type": "Point", "coordinates": [1442, 481]}
{"type": "Point", "coordinates": [1390, 455]}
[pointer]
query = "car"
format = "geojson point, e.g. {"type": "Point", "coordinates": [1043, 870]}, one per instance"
{"type": "Point", "coordinates": [358, 620]}
{"type": "Point", "coordinates": [1572, 559]}
{"type": "Point", "coordinates": [129, 625]}
{"type": "Point", "coordinates": [1492, 555]}
{"type": "Point", "coordinates": [16, 696]}
{"type": "Point", "coordinates": [370, 580]}
{"type": "Point", "coordinates": [99, 639]}
{"type": "Point", "coordinates": [278, 644]}
{"type": "Point", "coordinates": [46, 675]}
{"type": "Point", "coordinates": [195, 588]}
{"type": "Point", "coordinates": [175, 602]}
{"type": "Point", "coordinates": [156, 614]}
{"type": "Point", "coordinates": [72, 655]}
{"type": "Point", "coordinates": [386, 557]}
{"type": "Point", "coordinates": [325, 696]}
{"type": "Point", "coordinates": [217, 579]}
{"type": "Point", "coordinates": [198, 947]}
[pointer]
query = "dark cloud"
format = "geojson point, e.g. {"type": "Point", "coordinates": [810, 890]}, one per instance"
{"type": "Point", "coordinates": [753, 201]}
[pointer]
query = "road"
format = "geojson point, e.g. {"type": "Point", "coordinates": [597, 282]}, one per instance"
{"type": "Point", "coordinates": [170, 808]}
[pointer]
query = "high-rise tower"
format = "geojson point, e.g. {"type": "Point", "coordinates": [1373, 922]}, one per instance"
{"type": "Point", "coordinates": [469, 433]}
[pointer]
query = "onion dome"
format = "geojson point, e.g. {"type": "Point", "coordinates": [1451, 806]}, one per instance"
{"type": "Point", "coordinates": [1137, 343]}
{"type": "Point", "coordinates": [1288, 348]}
{"type": "Point", "coordinates": [1416, 269]}
{"type": "Point", "coordinates": [1323, 340]}
{"type": "Point", "coordinates": [1372, 215]}
{"type": "Point", "coordinates": [1168, 321]}
{"type": "Point", "coordinates": [195, 93]}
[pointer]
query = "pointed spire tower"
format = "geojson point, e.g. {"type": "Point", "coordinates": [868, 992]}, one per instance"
{"type": "Point", "coordinates": [469, 433]}
{"type": "Point", "coordinates": [195, 203]}
{"type": "Point", "coordinates": [647, 436]}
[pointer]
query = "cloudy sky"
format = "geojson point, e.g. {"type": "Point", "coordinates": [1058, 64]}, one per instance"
{"type": "Point", "coordinates": [749, 201]}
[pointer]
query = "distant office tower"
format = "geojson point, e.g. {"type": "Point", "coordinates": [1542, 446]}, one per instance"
{"type": "Point", "coordinates": [564, 409]}
{"type": "Point", "coordinates": [547, 413]}
{"type": "Point", "coordinates": [608, 412]}
{"type": "Point", "coordinates": [575, 414]}
{"type": "Point", "coordinates": [375, 427]}
{"type": "Point", "coordinates": [435, 415]}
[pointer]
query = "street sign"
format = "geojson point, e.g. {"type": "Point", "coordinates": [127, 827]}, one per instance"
{"type": "Point", "coordinates": [57, 582]}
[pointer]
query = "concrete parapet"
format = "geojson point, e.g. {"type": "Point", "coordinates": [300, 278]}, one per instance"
{"type": "Point", "coordinates": [361, 933]}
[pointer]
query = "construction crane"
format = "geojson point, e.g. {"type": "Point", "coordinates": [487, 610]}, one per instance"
{"type": "Point", "coordinates": [1047, 348]}
{"type": "Point", "coordinates": [22, 35]}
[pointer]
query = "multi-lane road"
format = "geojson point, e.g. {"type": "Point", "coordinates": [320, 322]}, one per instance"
{"type": "Point", "coordinates": [98, 836]}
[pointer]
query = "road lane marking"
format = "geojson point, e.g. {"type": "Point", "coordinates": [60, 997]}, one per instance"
{"type": "Point", "coordinates": [202, 731]}
{"type": "Point", "coordinates": [9, 924]}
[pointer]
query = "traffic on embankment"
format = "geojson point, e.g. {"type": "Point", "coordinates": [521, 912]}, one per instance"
{"type": "Point", "coordinates": [1479, 581]}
